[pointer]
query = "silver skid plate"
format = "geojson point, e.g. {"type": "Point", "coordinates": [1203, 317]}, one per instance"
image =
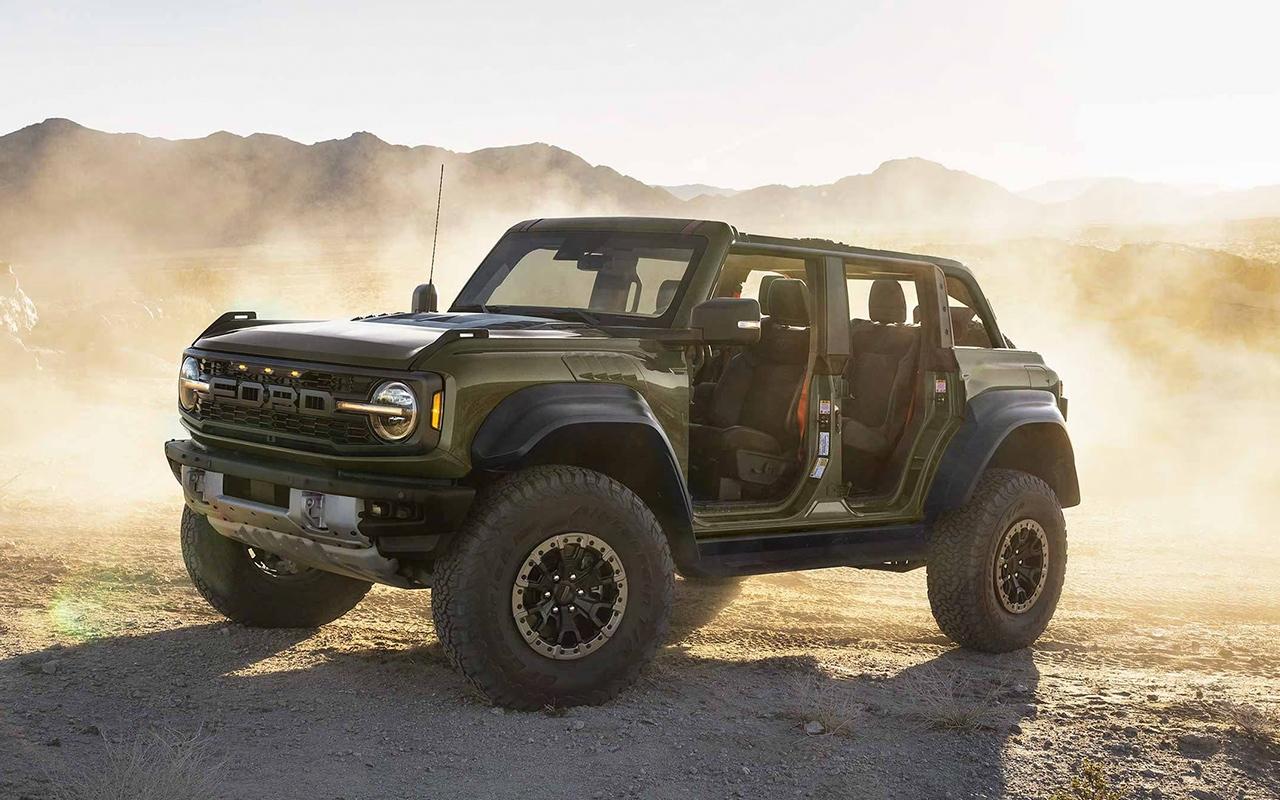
{"type": "Point", "coordinates": [316, 530]}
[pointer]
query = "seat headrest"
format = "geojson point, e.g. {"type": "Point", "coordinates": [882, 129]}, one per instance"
{"type": "Point", "coordinates": [788, 301]}
{"type": "Point", "coordinates": [765, 283]}
{"type": "Point", "coordinates": [666, 293]}
{"type": "Point", "coordinates": [887, 303]}
{"type": "Point", "coordinates": [961, 316]}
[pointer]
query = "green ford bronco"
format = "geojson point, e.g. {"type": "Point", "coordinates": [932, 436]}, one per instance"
{"type": "Point", "coordinates": [610, 401]}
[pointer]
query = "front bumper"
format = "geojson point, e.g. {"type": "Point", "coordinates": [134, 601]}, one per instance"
{"type": "Point", "coordinates": [323, 519]}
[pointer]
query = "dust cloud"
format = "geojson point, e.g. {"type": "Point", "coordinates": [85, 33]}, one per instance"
{"type": "Point", "coordinates": [1171, 361]}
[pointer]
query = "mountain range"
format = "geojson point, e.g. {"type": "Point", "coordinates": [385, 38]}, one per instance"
{"type": "Point", "coordinates": [61, 182]}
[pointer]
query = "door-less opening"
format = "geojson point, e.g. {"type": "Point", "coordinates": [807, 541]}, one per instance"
{"type": "Point", "coordinates": [749, 412]}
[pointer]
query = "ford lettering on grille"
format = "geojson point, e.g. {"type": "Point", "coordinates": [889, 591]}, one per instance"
{"type": "Point", "coordinates": [255, 394]}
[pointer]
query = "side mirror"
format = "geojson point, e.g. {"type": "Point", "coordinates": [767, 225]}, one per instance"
{"type": "Point", "coordinates": [424, 298]}
{"type": "Point", "coordinates": [727, 320]}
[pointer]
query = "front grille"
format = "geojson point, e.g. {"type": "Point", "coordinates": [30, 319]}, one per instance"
{"type": "Point", "coordinates": [339, 431]}
{"type": "Point", "coordinates": [337, 428]}
{"type": "Point", "coordinates": [338, 384]}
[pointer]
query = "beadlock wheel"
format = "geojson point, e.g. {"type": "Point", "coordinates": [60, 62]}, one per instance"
{"type": "Point", "coordinates": [1022, 566]}
{"type": "Point", "coordinates": [569, 596]}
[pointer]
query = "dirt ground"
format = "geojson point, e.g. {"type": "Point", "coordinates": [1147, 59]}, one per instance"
{"type": "Point", "coordinates": [1162, 667]}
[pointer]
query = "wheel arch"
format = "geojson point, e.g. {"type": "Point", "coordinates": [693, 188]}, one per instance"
{"type": "Point", "coordinates": [605, 427]}
{"type": "Point", "coordinates": [1020, 429]}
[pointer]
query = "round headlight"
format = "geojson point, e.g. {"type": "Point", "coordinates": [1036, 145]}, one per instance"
{"type": "Point", "coordinates": [394, 429]}
{"type": "Point", "coordinates": [188, 374]}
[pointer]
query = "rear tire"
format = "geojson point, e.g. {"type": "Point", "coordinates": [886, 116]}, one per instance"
{"type": "Point", "coordinates": [477, 601]}
{"type": "Point", "coordinates": [225, 574]}
{"type": "Point", "coordinates": [996, 566]}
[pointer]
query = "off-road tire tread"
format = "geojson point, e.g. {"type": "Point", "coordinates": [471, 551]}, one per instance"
{"type": "Point", "coordinates": [958, 551]}
{"type": "Point", "coordinates": [451, 600]}
{"type": "Point", "coordinates": [287, 605]}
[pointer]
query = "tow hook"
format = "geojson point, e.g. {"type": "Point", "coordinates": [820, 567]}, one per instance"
{"type": "Point", "coordinates": [195, 481]}
{"type": "Point", "coordinates": [313, 511]}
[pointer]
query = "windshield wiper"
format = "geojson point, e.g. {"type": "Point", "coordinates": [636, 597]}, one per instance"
{"type": "Point", "coordinates": [584, 317]}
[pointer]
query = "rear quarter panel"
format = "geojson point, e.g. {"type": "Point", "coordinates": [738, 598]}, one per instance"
{"type": "Point", "coordinates": [983, 369]}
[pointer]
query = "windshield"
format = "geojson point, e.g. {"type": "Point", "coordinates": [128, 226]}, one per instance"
{"type": "Point", "coordinates": [604, 273]}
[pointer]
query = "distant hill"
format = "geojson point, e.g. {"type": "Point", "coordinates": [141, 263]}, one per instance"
{"type": "Point", "coordinates": [1104, 200]}
{"type": "Point", "coordinates": [905, 194]}
{"type": "Point", "coordinates": [64, 186]}
{"type": "Point", "coordinates": [1071, 189]}
{"type": "Point", "coordinates": [60, 180]}
{"type": "Point", "coordinates": [688, 191]}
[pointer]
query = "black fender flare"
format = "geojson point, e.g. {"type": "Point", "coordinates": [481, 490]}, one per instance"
{"type": "Point", "coordinates": [990, 419]}
{"type": "Point", "coordinates": [511, 434]}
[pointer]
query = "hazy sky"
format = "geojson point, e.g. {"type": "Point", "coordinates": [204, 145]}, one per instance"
{"type": "Point", "coordinates": [733, 93]}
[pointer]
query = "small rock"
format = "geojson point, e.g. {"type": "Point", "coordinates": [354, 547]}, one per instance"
{"type": "Point", "coordinates": [497, 712]}
{"type": "Point", "coordinates": [578, 725]}
{"type": "Point", "coordinates": [54, 742]}
{"type": "Point", "coordinates": [1131, 732]}
{"type": "Point", "coordinates": [90, 730]}
{"type": "Point", "coordinates": [224, 631]}
{"type": "Point", "coordinates": [814, 728]}
{"type": "Point", "coordinates": [49, 667]}
{"type": "Point", "coordinates": [1205, 794]}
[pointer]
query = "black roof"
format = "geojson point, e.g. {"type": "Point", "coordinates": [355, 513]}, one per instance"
{"type": "Point", "coordinates": [670, 225]}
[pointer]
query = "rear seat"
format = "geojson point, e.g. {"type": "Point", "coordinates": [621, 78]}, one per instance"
{"type": "Point", "coordinates": [880, 377]}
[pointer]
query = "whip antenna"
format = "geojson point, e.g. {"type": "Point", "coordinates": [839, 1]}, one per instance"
{"type": "Point", "coordinates": [431, 278]}
{"type": "Point", "coordinates": [425, 297]}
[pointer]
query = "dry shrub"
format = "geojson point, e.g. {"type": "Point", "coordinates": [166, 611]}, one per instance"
{"type": "Point", "coordinates": [818, 698]}
{"type": "Point", "coordinates": [951, 701]}
{"type": "Point", "coordinates": [149, 767]}
{"type": "Point", "coordinates": [1249, 721]}
{"type": "Point", "coordinates": [1091, 784]}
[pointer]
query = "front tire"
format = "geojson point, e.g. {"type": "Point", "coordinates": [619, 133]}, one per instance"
{"type": "Point", "coordinates": [258, 589]}
{"type": "Point", "coordinates": [505, 594]}
{"type": "Point", "coordinates": [996, 566]}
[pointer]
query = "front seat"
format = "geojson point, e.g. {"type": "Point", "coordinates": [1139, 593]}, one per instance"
{"type": "Point", "coordinates": [881, 380]}
{"type": "Point", "coordinates": [753, 431]}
